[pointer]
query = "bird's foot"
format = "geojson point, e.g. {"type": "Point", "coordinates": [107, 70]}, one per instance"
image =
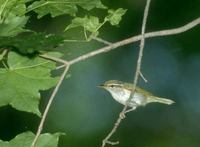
{"type": "Point", "coordinates": [122, 115]}
{"type": "Point", "coordinates": [131, 109]}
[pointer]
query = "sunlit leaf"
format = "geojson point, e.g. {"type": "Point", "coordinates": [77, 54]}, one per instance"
{"type": "Point", "coordinates": [61, 7]}
{"type": "Point", "coordinates": [115, 16]}
{"type": "Point", "coordinates": [90, 24]}
{"type": "Point", "coordinates": [53, 7]}
{"type": "Point", "coordinates": [22, 80]}
{"type": "Point", "coordinates": [12, 17]}
{"type": "Point", "coordinates": [90, 4]}
{"type": "Point", "coordinates": [25, 140]}
{"type": "Point", "coordinates": [13, 25]}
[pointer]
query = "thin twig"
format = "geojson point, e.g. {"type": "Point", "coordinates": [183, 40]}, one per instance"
{"type": "Point", "coordinates": [137, 74]}
{"type": "Point", "coordinates": [101, 40]}
{"type": "Point", "coordinates": [136, 38]}
{"type": "Point", "coordinates": [61, 66]}
{"type": "Point", "coordinates": [39, 130]}
{"type": "Point", "coordinates": [142, 76]}
{"type": "Point", "coordinates": [178, 30]}
{"type": "Point", "coordinates": [54, 59]}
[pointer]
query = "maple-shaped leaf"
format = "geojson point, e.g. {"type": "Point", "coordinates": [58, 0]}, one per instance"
{"type": "Point", "coordinates": [13, 25]}
{"type": "Point", "coordinates": [22, 80]}
{"type": "Point", "coordinates": [25, 140]}
{"type": "Point", "coordinates": [53, 7]}
{"type": "Point", "coordinates": [89, 4]}
{"type": "Point", "coordinates": [115, 16]}
{"type": "Point", "coordinates": [90, 23]}
{"type": "Point", "coordinates": [12, 17]}
{"type": "Point", "coordinates": [32, 42]}
{"type": "Point", "coordinates": [61, 7]}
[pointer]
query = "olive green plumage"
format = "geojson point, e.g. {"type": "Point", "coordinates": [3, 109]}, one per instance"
{"type": "Point", "coordinates": [121, 92]}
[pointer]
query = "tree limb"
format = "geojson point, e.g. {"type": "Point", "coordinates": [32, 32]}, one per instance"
{"type": "Point", "coordinates": [40, 127]}
{"type": "Point", "coordinates": [137, 74]}
{"type": "Point", "coordinates": [136, 38]}
{"type": "Point", "coordinates": [110, 47]}
{"type": "Point", "coordinates": [167, 32]}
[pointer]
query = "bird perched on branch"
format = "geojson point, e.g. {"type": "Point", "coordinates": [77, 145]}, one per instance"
{"type": "Point", "coordinates": [121, 91]}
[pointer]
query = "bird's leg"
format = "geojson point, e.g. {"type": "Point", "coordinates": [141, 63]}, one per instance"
{"type": "Point", "coordinates": [122, 115]}
{"type": "Point", "coordinates": [131, 109]}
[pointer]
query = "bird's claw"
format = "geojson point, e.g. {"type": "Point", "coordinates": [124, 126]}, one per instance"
{"type": "Point", "coordinates": [122, 115]}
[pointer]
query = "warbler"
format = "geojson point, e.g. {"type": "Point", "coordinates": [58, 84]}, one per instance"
{"type": "Point", "coordinates": [121, 91]}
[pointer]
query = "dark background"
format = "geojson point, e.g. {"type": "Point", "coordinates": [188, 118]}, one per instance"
{"type": "Point", "coordinates": [171, 65]}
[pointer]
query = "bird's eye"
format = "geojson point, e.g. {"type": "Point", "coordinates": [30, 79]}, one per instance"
{"type": "Point", "coordinates": [111, 86]}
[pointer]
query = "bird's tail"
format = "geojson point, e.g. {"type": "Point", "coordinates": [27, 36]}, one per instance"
{"type": "Point", "coordinates": [160, 100]}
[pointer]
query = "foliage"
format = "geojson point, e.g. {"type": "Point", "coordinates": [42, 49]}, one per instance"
{"type": "Point", "coordinates": [23, 73]}
{"type": "Point", "coordinates": [25, 139]}
{"type": "Point", "coordinates": [92, 24]}
{"type": "Point", "coordinates": [31, 42]}
{"type": "Point", "coordinates": [22, 79]}
{"type": "Point", "coordinates": [60, 7]}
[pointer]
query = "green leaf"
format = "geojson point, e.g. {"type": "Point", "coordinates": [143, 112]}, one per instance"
{"type": "Point", "coordinates": [22, 80]}
{"type": "Point", "coordinates": [90, 24]}
{"type": "Point", "coordinates": [90, 4]}
{"type": "Point", "coordinates": [13, 25]}
{"type": "Point", "coordinates": [12, 17]}
{"type": "Point", "coordinates": [115, 16]}
{"type": "Point", "coordinates": [16, 7]}
{"type": "Point", "coordinates": [25, 140]}
{"type": "Point", "coordinates": [30, 43]}
{"type": "Point", "coordinates": [61, 7]}
{"type": "Point", "coordinates": [54, 7]}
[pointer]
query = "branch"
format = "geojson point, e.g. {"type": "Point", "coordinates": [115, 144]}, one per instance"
{"type": "Point", "coordinates": [167, 32]}
{"type": "Point", "coordinates": [113, 46]}
{"type": "Point", "coordinates": [39, 130]}
{"type": "Point", "coordinates": [137, 74]}
{"type": "Point", "coordinates": [54, 59]}
{"type": "Point", "coordinates": [101, 40]}
{"type": "Point", "coordinates": [142, 76]}
{"type": "Point", "coordinates": [136, 38]}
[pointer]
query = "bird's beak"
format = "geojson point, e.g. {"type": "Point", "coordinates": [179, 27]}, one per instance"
{"type": "Point", "coordinates": [101, 86]}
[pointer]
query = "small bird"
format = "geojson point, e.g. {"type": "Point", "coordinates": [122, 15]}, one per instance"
{"type": "Point", "coordinates": [121, 91]}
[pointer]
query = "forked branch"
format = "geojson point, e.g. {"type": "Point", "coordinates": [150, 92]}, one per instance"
{"type": "Point", "coordinates": [136, 77]}
{"type": "Point", "coordinates": [108, 48]}
{"type": "Point", "coordinates": [40, 127]}
{"type": "Point", "coordinates": [133, 39]}
{"type": "Point", "coordinates": [167, 32]}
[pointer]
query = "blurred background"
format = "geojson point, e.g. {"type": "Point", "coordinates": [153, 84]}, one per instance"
{"type": "Point", "coordinates": [170, 64]}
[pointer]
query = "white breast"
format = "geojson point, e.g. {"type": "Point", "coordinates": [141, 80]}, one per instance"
{"type": "Point", "coordinates": [122, 96]}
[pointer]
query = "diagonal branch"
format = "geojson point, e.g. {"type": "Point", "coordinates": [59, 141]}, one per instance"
{"type": "Point", "coordinates": [167, 32]}
{"type": "Point", "coordinates": [137, 74]}
{"type": "Point", "coordinates": [39, 130]}
{"type": "Point", "coordinates": [54, 59]}
{"type": "Point", "coordinates": [101, 40]}
{"type": "Point", "coordinates": [110, 47]}
{"type": "Point", "coordinates": [136, 38]}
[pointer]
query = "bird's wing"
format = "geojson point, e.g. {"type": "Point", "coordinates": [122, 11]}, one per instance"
{"type": "Point", "coordinates": [138, 89]}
